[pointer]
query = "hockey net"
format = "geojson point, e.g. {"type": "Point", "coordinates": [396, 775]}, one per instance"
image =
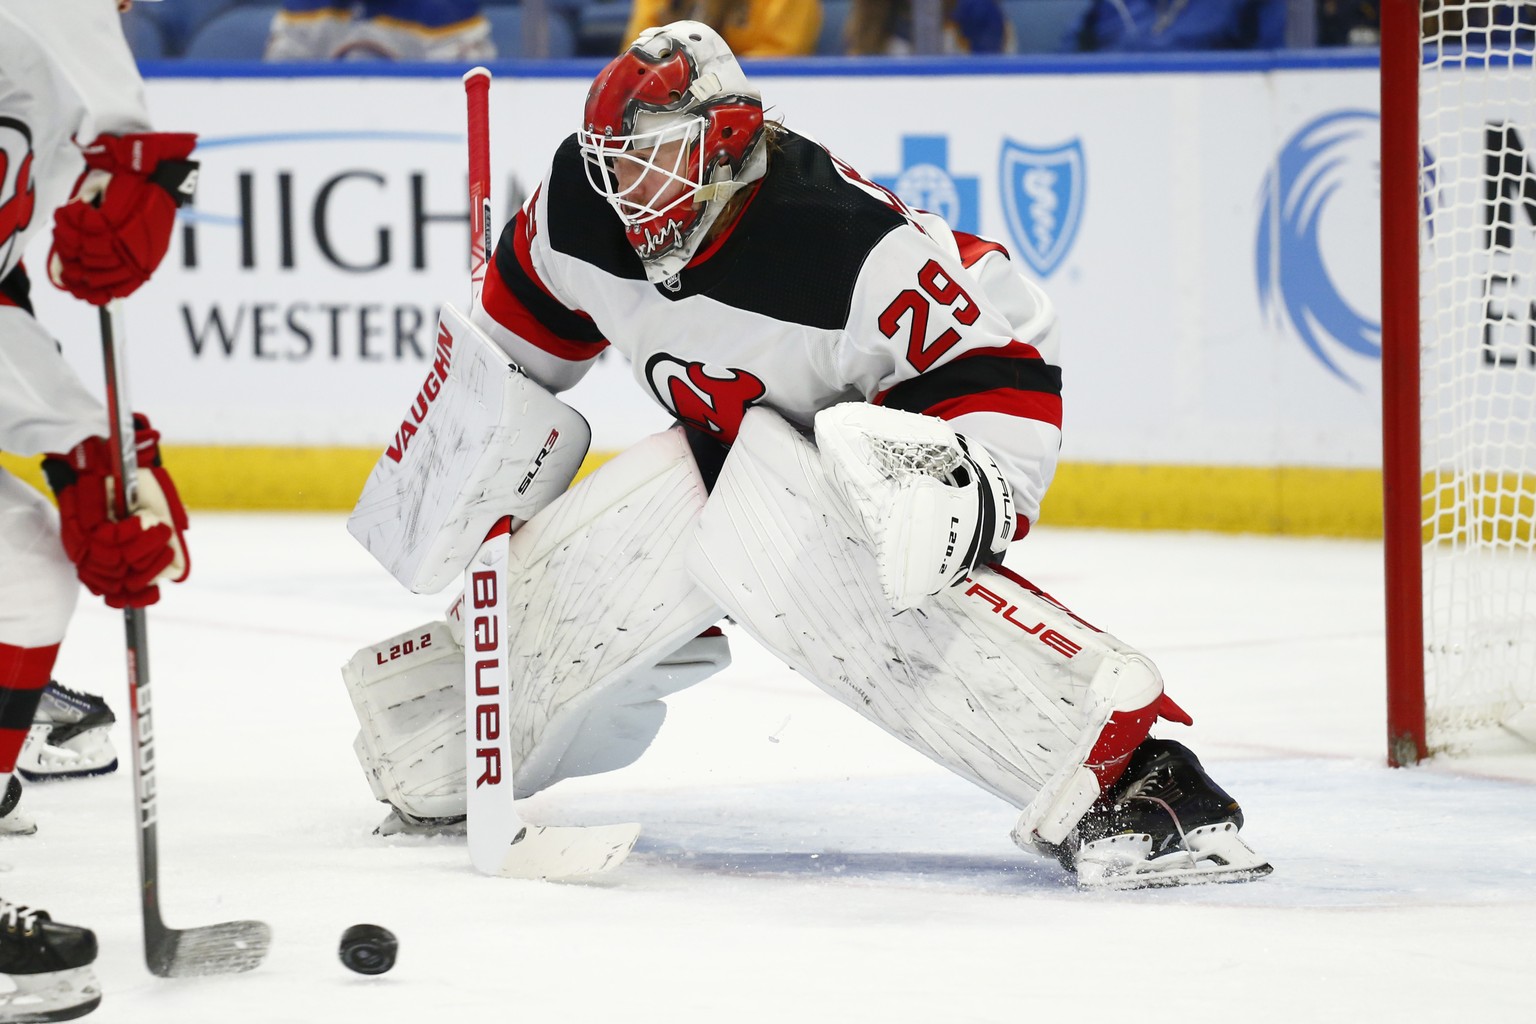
{"type": "Point", "coordinates": [1465, 492]}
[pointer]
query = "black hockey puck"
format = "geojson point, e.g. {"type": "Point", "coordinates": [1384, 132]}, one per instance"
{"type": "Point", "coordinates": [368, 948]}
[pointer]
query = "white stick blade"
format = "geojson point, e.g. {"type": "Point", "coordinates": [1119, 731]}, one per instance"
{"type": "Point", "coordinates": [567, 851]}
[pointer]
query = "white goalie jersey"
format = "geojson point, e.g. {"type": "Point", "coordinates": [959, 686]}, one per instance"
{"type": "Point", "coordinates": [826, 289]}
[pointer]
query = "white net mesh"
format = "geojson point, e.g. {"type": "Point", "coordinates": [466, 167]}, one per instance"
{"type": "Point", "coordinates": [1477, 126]}
{"type": "Point", "coordinates": [900, 457]}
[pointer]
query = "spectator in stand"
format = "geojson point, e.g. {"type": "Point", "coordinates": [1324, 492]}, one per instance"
{"type": "Point", "coordinates": [884, 28]}
{"type": "Point", "coordinates": [448, 30]}
{"type": "Point", "coordinates": [752, 28]}
{"type": "Point", "coordinates": [1477, 24]}
{"type": "Point", "coordinates": [1171, 25]}
{"type": "Point", "coordinates": [1348, 23]}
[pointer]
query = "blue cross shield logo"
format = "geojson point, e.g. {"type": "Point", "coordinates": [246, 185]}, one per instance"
{"type": "Point", "coordinates": [926, 183]}
{"type": "Point", "coordinates": [1043, 192]}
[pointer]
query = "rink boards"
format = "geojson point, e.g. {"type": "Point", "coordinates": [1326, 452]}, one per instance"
{"type": "Point", "coordinates": [1206, 228]}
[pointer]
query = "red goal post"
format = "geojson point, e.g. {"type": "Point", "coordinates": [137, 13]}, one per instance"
{"type": "Point", "coordinates": [1401, 488]}
{"type": "Point", "coordinates": [1458, 234]}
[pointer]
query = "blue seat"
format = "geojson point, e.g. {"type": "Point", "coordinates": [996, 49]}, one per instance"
{"type": "Point", "coordinates": [834, 15]}
{"type": "Point", "coordinates": [144, 36]}
{"type": "Point", "coordinates": [1041, 26]}
{"type": "Point", "coordinates": [180, 20]}
{"type": "Point", "coordinates": [507, 31]}
{"type": "Point", "coordinates": [601, 26]}
{"type": "Point", "coordinates": [239, 33]}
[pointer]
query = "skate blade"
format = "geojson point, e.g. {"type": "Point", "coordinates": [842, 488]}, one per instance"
{"type": "Point", "coordinates": [57, 995]}
{"type": "Point", "coordinates": [86, 754]}
{"type": "Point", "coordinates": [32, 775]}
{"type": "Point", "coordinates": [1215, 853]}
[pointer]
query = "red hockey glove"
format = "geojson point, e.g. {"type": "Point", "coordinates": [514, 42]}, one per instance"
{"type": "Point", "coordinates": [120, 561]}
{"type": "Point", "coordinates": [114, 231]}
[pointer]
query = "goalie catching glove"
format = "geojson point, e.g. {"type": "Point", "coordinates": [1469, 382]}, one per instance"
{"type": "Point", "coordinates": [120, 561]}
{"type": "Point", "coordinates": [113, 233]}
{"type": "Point", "coordinates": [932, 502]}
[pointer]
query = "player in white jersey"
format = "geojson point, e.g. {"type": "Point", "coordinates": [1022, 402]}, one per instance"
{"type": "Point", "coordinates": [764, 292]}
{"type": "Point", "coordinates": [76, 147]}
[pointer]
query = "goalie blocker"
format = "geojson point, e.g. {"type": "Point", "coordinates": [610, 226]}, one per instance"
{"type": "Point", "coordinates": [480, 441]}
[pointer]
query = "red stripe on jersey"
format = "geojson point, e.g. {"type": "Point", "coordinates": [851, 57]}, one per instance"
{"type": "Point", "coordinates": [508, 311]}
{"type": "Point", "coordinates": [6, 300]}
{"type": "Point", "coordinates": [522, 244]}
{"type": "Point", "coordinates": [1030, 405]}
{"type": "Point", "coordinates": [974, 247]}
{"type": "Point", "coordinates": [1012, 350]}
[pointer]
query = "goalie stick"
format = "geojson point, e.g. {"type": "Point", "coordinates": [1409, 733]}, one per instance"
{"type": "Point", "coordinates": [231, 946]}
{"type": "Point", "coordinates": [500, 842]}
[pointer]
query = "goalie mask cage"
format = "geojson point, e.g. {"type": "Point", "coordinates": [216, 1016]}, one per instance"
{"type": "Point", "coordinates": [1458, 190]}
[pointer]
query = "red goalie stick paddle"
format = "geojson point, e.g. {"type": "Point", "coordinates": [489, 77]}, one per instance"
{"type": "Point", "coordinates": [224, 948]}
{"type": "Point", "coordinates": [500, 842]}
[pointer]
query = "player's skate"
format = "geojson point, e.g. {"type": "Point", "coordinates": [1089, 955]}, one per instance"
{"type": "Point", "coordinates": [12, 821]}
{"type": "Point", "coordinates": [70, 737]}
{"type": "Point", "coordinates": [49, 965]}
{"type": "Point", "coordinates": [399, 823]}
{"type": "Point", "coordinates": [1164, 823]}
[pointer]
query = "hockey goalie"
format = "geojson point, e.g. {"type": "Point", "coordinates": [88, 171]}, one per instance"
{"type": "Point", "coordinates": [868, 409]}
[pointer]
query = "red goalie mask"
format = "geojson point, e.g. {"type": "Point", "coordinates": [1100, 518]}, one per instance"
{"type": "Point", "coordinates": [671, 129]}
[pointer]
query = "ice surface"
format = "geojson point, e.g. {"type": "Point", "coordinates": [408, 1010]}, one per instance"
{"type": "Point", "coordinates": [797, 865]}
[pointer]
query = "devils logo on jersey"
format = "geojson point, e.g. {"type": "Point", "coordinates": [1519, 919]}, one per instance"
{"type": "Point", "coordinates": [710, 398]}
{"type": "Point", "coordinates": [17, 194]}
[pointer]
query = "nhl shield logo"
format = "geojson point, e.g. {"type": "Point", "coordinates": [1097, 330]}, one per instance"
{"type": "Point", "coordinates": [1043, 199]}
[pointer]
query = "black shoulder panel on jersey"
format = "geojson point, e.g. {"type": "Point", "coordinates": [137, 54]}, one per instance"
{"type": "Point", "coordinates": [797, 252]}
{"type": "Point", "coordinates": [580, 222]}
{"type": "Point", "coordinates": [972, 375]}
{"type": "Point", "coordinates": [561, 321]}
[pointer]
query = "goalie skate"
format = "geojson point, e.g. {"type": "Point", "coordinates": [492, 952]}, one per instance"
{"type": "Point", "coordinates": [1165, 823]}
{"type": "Point", "coordinates": [48, 964]}
{"type": "Point", "coordinates": [71, 737]}
{"type": "Point", "coordinates": [399, 823]}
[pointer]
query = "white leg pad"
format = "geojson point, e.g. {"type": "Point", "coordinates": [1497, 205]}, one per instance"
{"type": "Point", "coordinates": [991, 679]}
{"type": "Point", "coordinates": [598, 591]}
{"type": "Point", "coordinates": [603, 619]}
{"type": "Point", "coordinates": [411, 745]}
{"type": "Point", "coordinates": [621, 726]}
{"type": "Point", "coordinates": [408, 692]}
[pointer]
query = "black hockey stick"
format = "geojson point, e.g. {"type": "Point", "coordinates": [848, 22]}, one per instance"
{"type": "Point", "coordinates": [170, 952]}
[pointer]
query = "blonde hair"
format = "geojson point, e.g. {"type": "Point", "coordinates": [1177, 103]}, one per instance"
{"type": "Point", "coordinates": [717, 14]}
{"type": "Point", "coordinates": [872, 25]}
